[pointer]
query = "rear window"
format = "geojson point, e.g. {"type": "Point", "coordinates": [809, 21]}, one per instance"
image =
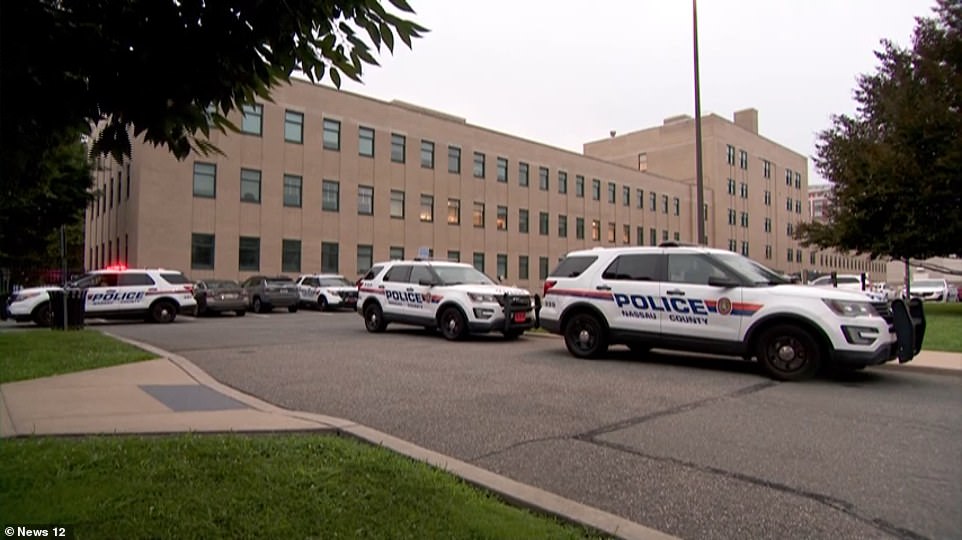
{"type": "Point", "coordinates": [373, 272]}
{"type": "Point", "coordinates": [280, 281]}
{"type": "Point", "coordinates": [573, 266]}
{"type": "Point", "coordinates": [135, 278]}
{"type": "Point", "coordinates": [175, 278]}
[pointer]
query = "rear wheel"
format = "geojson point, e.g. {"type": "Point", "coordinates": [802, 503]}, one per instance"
{"type": "Point", "coordinates": [256, 305]}
{"type": "Point", "coordinates": [513, 334]}
{"type": "Point", "coordinates": [374, 318]}
{"type": "Point", "coordinates": [163, 312]}
{"type": "Point", "coordinates": [322, 303]}
{"type": "Point", "coordinates": [42, 316]}
{"type": "Point", "coordinates": [788, 353]}
{"type": "Point", "coordinates": [452, 323]}
{"type": "Point", "coordinates": [292, 308]}
{"type": "Point", "coordinates": [585, 336]}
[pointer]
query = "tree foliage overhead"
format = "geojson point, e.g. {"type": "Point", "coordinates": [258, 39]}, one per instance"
{"type": "Point", "coordinates": [896, 165]}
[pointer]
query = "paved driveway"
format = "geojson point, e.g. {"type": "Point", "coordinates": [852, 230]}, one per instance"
{"type": "Point", "coordinates": [698, 448]}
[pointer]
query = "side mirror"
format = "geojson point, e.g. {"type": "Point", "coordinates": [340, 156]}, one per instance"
{"type": "Point", "coordinates": [725, 282]}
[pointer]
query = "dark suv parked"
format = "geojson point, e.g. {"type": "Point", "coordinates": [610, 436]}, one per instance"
{"type": "Point", "coordinates": [266, 293]}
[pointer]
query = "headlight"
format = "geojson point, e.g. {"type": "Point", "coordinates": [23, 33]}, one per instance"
{"type": "Point", "coordinates": [25, 296]}
{"type": "Point", "coordinates": [479, 298]}
{"type": "Point", "coordinates": [850, 308]}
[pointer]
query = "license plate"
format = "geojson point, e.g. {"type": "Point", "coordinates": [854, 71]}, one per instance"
{"type": "Point", "coordinates": [519, 316]}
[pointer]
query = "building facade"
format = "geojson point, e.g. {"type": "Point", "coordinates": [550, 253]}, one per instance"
{"type": "Point", "coordinates": [320, 180]}
{"type": "Point", "coordinates": [818, 202]}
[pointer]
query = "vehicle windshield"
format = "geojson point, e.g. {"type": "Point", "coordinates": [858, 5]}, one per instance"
{"type": "Point", "coordinates": [335, 282]}
{"type": "Point", "coordinates": [280, 281]}
{"type": "Point", "coordinates": [222, 284]}
{"type": "Point", "coordinates": [751, 270]}
{"type": "Point", "coordinates": [928, 283]}
{"type": "Point", "coordinates": [459, 275]}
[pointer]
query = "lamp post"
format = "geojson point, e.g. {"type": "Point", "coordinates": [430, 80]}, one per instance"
{"type": "Point", "coordinates": [699, 177]}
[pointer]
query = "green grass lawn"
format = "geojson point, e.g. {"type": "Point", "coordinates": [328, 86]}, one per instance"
{"type": "Point", "coordinates": [943, 327]}
{"type": "Point", "coordinates": [240, 486]}
{"type": "Point", "coordinates": [28, 354]}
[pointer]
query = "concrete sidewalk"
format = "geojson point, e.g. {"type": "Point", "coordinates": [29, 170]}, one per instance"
{"type": "Point", "coordinates": [172, 395]}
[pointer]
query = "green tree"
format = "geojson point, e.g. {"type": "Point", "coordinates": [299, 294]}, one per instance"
{"type": "Point", "coordinates": [165, 70]}
{"type": "Point", "coordinates": [896, 165]}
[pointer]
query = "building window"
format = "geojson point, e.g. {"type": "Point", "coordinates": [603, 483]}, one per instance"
{"type": "Point", "coordinates": [523, 174]}
{"type": "Point", "coordinates": [731, 155]}
{"type": "Point", "coordinates": [643, 162]}
{"type": "Point", "coordinates": [652, 236]}
{"type": "Point", "coordinates": [543, 178]}
{"type": "Point", "coordinates": [454, 255]}
{"type": "Point", "coordinates": [542, 268]}
{"type": "Point", "coordinates": [365, 200]}
{"type": "Point", "coordinates": [652, 201]}
{"type": "Point", "coordinates": [249, 254]}
{"type": "Point", "coordinates": [290, 255]}
{"type": "Point", "coordinates": [768, 251]}
{"type": "Point", "coordinates": [789, 229]}
{"type": "Point", "coordinates": [562, 226]}
{"type": "Point", "coordinates": [477, 216]}
{"type": "Point", "coordinates": [330, 253]}
{"type": "Point", "coordinates": [677, 236]}
{"type": "Point", "coordinates": [612, 189]}
{"type": "Point", "coordinates": [766, 168]}
{"type": "Point", "coordinates": [202, 251]}
{"type": "Point", "coordinates": [677, 206]}
{"type": "Point", "coordinates": [626, 234]}
{"type": "Point", "coordinates": [731, 216]}
{"type": "Point", "coordinates": [522, 267]}
{"type": "Point", "coordinates": [768, 198]}
{"type": "Point", "coordinates": [252, 120]}
{"type": "Point", "coordinates": [454, 211]}
{"type": "Point", "coordinates": [398, 147]}
{"type": "Point", "coordinates": [789, 258]}
{"type": "Point", "coordinates": [479, 261]}
{"type": "Point", "coordinates": [427, 208]}
{"type": "Point", "coordinates": [768, 225]}
{"type": "Point", "coordinates": [543, 223]}
{"type": "Point", "coordinates": [427, 154]}
{"type": "Point", "coordinates": [454, 160]}
{"type": "Point", "coordinates": [580, 228]}
{"type": "Point", "coordinates": [664, 204]}
{"type": "Point", "coordinates": [744, 219]}
{"type": "Point", "coordinates": [596, 190]}
{"type": "Point", "coordinates": [250, 186]}
{"type": "Point", "coordinates": [396, 253]}
{"type": "Point", "coordinates": [294, 127]}
{"type": "Point", "coordinates": [788, 177]}
{"type": "Point", "coordinates": [562, 182]}
{"type": "Point", "coordinates": [731, 186]}
{"type": "Point", "coordinates": [292, 190]}
{"type": "Point", "coordinates": [579, 186]}
{"type": "Point", "coordinates": [330, 196]}
{"type": "Point", "coordinates": [205, 180]}
{"type": "Point", "coordinates": [365, 141]}
{"type": "Point", "coordinates": [626, 196]}
{"type": "Point", "coordinates": [502, 266]}
{"type": "Point", "coordinates": [811, 258]}
{"type": "Point", "coordinates": [798, 180]}
{"type": "Point", "coordinates": [640, 198]}
{"type": "Point", "coordinates": [611, 232]}
{"type": "Point", "coordinates": [397, 204]}
{"type": "Point", "coordinates": [478, 165]}
{"type": "Point", "coordinates": [502, 218]}
{"type": "Point", "coordinates": [743, 159]}
{"type": "Point", "coordinates": [523, 221]}
{"type": "Point", "coordinates": [798, 207]}
{"type": "Point", "coordinates": [502, 170]}
{"type": "Point", "coordinates": [732, 245]}
{"type": "Point", "coordinates": [743, 190]}
{"type": "Point", "coordinates": [798, 255]}
{"type": "Point", "coordinates": [332, 134]}
{"type": "Point", "coordinates": [365, 258]}
{"type": "Point", "coordinates": [596, 230]}
{"type": "Point", "coordinates": [745, 249]}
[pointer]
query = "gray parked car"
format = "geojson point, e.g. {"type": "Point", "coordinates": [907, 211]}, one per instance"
{"type": "Point", "coordinates": [220, 295]}
{"type": "Point", "coordinates": [266, 293]}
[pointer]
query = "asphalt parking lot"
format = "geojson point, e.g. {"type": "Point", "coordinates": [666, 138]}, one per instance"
{"type": "Point", "coordinates": [696, 447]}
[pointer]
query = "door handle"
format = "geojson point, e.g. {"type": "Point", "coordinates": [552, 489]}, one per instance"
{"type": "Point", "coordinates": [603, 288]}
{"type": "Point", "coordinates": [410, 289]}
{"type": "Point", "coordinates": [676, 292]}
{"type": "Point", "coordinates": [380, 286]}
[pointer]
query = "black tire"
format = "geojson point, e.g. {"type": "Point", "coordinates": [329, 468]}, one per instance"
{"type": "Point", "coordinates": [512, 335]}
{"type": "Point", "coordinates": [163, 311]}
{"type": "Point", "coordinates": [585, 336]}
{"type": "Point", "coordinates": [42, 315]}
{"type": "Point", "coordinates": [292, 308]}
{"type": "Point", "coordinates": [374, 318]}
{"type": "Point", "coordinates": [453, 324]}
{"type": "Point", "coordinates": [240, 312]}
{"type": "Point", "coordinates": [256, 305]}
{"type": "Point", "coordinates": [322, 303]}
{"type": "Point", "coordinates": [788, 353]}
{"type": "Point", "coordinates": [201, 308]}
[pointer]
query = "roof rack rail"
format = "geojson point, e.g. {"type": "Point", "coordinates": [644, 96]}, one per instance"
{"type": "Point", "coordinates": [674, 243]}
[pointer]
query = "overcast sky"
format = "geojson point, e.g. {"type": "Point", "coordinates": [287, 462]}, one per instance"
{"type": "Point", "coordinates": [564, 72]}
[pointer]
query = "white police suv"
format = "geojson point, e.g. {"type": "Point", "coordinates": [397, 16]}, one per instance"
{"type": "Point", "coordinates": [325, 291]}
{"type": "Point", "coordinates": [700, 299]}
{"type": "Point", "coordinates": [454, 297]}
{"type": "Point", "coordinates": [117, 292]}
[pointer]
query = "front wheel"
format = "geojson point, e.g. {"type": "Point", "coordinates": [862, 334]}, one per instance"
{"type": "Point", "coordinates": [42, 316]}
{"type": "Point", "coordinates": [453, 325]}
{"type": "Point", "coordinates": [512, 335]}
{"type": "Point", "coordinates": [163, 312]}
{"type": "Point", "coordinates": [292, 308]}
{"type": "Point", "coordinates": [322, 303]}
{"type": "Point", "coordinates": [240, 312]}
{"type": "Point", "coordinates": [374, 318]}
{"type": "Point", "coordinates": [585, 336]}
{"type": "Point", "coordinates": [788, 353]}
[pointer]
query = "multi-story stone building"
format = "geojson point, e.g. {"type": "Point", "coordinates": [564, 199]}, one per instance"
{"type": "Point", "coordinates": [320, 180]}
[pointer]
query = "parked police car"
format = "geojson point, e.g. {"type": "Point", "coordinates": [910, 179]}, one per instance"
{"type": "Point", "coordinates": [325, 291]}
{"type": "Point", "coordinates": [701, 299]}
{"type": "Point", "coordinates": [454, 297]}
{"type": "Point", "coordinates": [155, 294]}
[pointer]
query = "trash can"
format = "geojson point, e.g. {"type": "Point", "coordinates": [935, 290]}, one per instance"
{"type": "Point", "coordinates": [76, 308]}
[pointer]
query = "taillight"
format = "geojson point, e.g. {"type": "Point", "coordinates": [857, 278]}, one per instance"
{"type": "Point", "coordinates": [547, 285]}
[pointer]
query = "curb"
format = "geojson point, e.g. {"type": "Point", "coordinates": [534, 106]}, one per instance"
{"type": "Point", "coordinates": [510, 491]}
